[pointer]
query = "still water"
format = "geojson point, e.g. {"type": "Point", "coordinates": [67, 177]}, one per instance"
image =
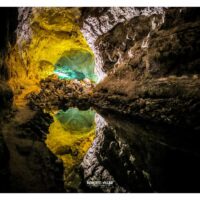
{"type": "Point", "coordinates": [70, 136]}
{"type": "Point", "coordinates": [116, 154]}
{"type": "Point", "coordinates": [98, 151]}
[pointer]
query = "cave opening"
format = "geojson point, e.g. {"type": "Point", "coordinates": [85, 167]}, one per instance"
{"type": "Point", "coordinates": [76, 64]}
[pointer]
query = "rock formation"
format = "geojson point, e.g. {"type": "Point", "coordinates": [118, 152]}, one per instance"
{"type": "Point", "coordinates": [56, 94]}
{"type": "Point", "coordinates": [44, 36]}
{"type": "Point", "coordinates": [151, 61]}
{"type": "Point", "coordinates": [7, 38]}
{"type": "Point", "coordinates": [132, 156]}
{"type": "Point", "coordinates": [147, 62]}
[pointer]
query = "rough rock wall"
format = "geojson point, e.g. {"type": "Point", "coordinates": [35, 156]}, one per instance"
{"type": "Point", "coordinates": [151, 56]}
{"type": "Point", "coordinates": [152, 66]}
{"type": "Point", "coordinates": [98, 23]}
{"type": "Point", "coordinates": [133, 156]}
{"type": "Point", "coordinates": [8, 24]}
{"type": "Point", "coordinates": [8, 36]}
{"type": "Point", "coordinates": [43, 35]}
{"type": "Point", "coordinates": [30, 165]}
{"type": "Point", "coordinates": [100, 175]}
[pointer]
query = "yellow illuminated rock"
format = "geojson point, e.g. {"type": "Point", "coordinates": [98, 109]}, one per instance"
{"type": "Point", "coordinates": [69, 138]}
{"type": "Point", "coordinates": [41, 41]}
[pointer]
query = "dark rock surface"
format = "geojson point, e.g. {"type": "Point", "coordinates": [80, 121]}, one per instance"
{"type": "Point", "coordinates": [135, 156]}
{"type": "Point", "coordinates": [6, 96]}
{"type": "Point", "coordinates": [4, 167]}
{"type": "Point", "coordinates": [8, 22]}
{"type": "Point", "coordinates": [173, 100]}
{"type": "Point", "coordinates": [109, 164]}
{"type": "Point", "coordinates": [150, 60]}
{"type": "Point", "coordinates": [98, 24]}
{"type": "Point", "coordinates": [37, 127]}
{"type": "Point", "coordinates": [29, 165]}
{"type": "Point", "coordinates": [8, 25]}
{"type": "Point", "coordinates": [58, 94]}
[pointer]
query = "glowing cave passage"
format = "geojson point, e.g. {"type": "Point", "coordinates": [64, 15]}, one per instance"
{"type": "Point", "coordinates": [70, 136]}
{"type": "Point", "coordinates": [76, 64]}
{"type": "Point", "coordinates": [76, 121]}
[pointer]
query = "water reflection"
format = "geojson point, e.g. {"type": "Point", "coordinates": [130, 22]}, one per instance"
{"type": "Point", "coordinates": [27, 165]}
{"type": "Point", "coordinates": [70, 136]}
{"type": "Point", "coordinates": [141, 157]}
{"type": "Point", "coordinates": [110, 153]}
{"type": "Point", "coordinates": [76, 121]}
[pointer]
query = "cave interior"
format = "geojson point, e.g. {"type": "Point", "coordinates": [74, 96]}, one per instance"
{"type": "Point", "coordinates": [102, 99]}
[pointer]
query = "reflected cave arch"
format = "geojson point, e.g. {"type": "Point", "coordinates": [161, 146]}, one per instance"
{"type": "Point", "coordinates": [76, 64]}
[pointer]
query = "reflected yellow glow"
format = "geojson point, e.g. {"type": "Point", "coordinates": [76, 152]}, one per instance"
{"type": "Point", "coordinates": [70, 144]}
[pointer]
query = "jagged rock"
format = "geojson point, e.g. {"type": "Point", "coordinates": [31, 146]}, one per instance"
{"type": "Point", "coordinates": [173, 101]}
{"type": "Point", "coordinates": [151, 62]}
{"type": "Point", "coordinates": [137, 156]}
{"type": "Point", "coordinates": [61, 94]}
{"type": "Point", "coordinates": [98, 23]}
{"type": "Point", "coordinates": [104, 168]}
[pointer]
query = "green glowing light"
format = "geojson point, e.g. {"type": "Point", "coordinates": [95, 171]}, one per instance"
{"type": "Point", "coordinates": [70, 136]}
{"type": "Point", "coordinates": [66, 72]}
{"type": "Point", "coordinates": [76, 64]}
{"type": "Point", "coordinates": [76, 121]}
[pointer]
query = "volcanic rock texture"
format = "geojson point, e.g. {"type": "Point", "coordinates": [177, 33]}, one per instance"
{"type": "Point", "coordinates": [150, 60]}
{"type": "Point", "coordinates": [133, 156]}
{"type": "Point", "coordinates": [44, 36]}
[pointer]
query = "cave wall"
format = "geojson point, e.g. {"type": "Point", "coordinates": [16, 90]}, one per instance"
{"type": "Point", "coordinates": [149, 57]}
{"type": "Point", "coordinates": [109, 164]}
{"type": "Point", "coordinates": [133, 156]}
{"type": "Point", "coordinates": [97, 26]}
{"type": "Point", "coordinates": [8, 25]}
{"type": "Point", "coordinates": [8, 36]}
{"type": "Point", "coordinates": [149, 37]}
{"type": "Point", "coordinates": [43, 35]}
{"type": "Point", "coordinates": [151, 61]}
